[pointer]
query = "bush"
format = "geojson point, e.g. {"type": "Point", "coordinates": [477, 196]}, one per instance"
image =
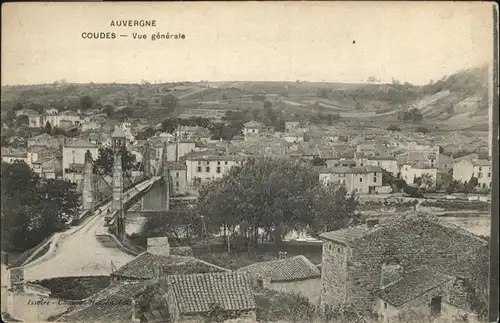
{"type": "Point", "coordinates": [393, 127]}
{"type": "Point", "coordinates": [75, 288]}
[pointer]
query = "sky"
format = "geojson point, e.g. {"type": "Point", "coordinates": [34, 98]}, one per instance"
{"type": "Point", "coordinates": [245, 41]}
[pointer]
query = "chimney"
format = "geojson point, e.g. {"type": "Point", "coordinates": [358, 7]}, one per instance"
{"type": "Point", "coordinates": [373, 222]}
{"type": "Point", "coordinates": [158, 246]}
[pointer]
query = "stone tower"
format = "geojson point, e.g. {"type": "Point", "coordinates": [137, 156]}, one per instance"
{"type": "Point", "coordinates": [87, 195]}
{"type": "Point", "coordinates": [166, 180]}
{"type": "Point", "coordinates": [146, 160]}
{"type": "Point", "coordinates": [118, 144]}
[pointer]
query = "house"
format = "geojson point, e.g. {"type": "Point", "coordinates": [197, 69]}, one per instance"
{"type": "Point", "coordinates": [295, 275]}
{"type": "Point", "coordinates": [387, 163]}
{"type": "Point", "coordinates": [423, 292]}
{"type": "Point", "coordinates": [290, 125]}
{"type": "Point", "coordinates": [410, 172]}
{"type": "Point", "coordinates": [158, 260]}
{"type": "Point", "coordinates": [44, 140]}
{"type": "Point", "coordinates": [48, 168]}
{"type": "Point", "coordinates": [186, 132]}
{"type": "Point", "coordinates": [470, 166]}
{"type": "Point", "coordinates": [191, 297]}
{"type": "Point", "coordinates": [360, 263]}
{"type": "Point", "coordinates": [11, 155]}
{"type": "Point", "coordinates": [293, 136]}
{"type": "Point", "coordinates": [361, 180]}
{"type": "Point", "coordinates": [252, 128]}
{"type": "Point", "coordinates": [178, 177]}
{"type": "Point", "coordinates": [26, 112]}
{"type": "Point", "coordinates": [205, 166]}
{"type": "Point", "coordinates": [74, 158]}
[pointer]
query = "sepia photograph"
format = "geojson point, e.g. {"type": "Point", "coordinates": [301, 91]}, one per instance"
{"type": "Point", "coordinates": [249, 162]}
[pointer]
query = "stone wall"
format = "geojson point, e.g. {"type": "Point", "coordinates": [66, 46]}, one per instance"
{"type": "Point", "coordinates": [414, 244]}
{"type": "Point", "coordinates": [333, 273]}
{"type": "Point", "coordinates": [351, 276]}
{"type": "Point", "coordinates": [309, 288]}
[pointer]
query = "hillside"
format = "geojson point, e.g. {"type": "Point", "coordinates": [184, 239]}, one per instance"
{"type": "Point", "coordinates": [458, 101]}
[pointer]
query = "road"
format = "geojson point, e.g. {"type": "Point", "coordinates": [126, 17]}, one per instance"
{"type": "Point", "coordinates": [79, 252]}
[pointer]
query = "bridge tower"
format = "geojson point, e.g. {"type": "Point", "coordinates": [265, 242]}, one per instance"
{"type": "Point", "coordinates": [146, 161]}
{"type": "Point", "coordinates": [88, 186]}
{"type": "Point", "coordinates": [118, 144]}
{"type": "Point", "coordinates": [165, 205]}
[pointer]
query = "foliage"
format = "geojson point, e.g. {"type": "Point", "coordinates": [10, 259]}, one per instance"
{"type": "Point", "coordinates": [387, 178]}
{"type": "Point", "coordinates": [104, 162]}
{"type": "Point", "coordinates": [274, 306]}
{"type": "Point", "coordinates": [413, 191]}
{"type": "Point", "coordinates": [75, 288]}
{"type": "Point", "coordinates": [170, 125]}
{"type": "Point", "coordinates": [393, 127]}
{"type": "Point", "coordinates": [145, 134]}
{"type": "Point", "coordinates": [423, 130]}
{"type": "Point", "coordinates": [22, 121]}
{"type": "Point", "coordinates": [86, 102]}
{"type": "Point", "coordinates": [33, 208]}
{"type": "Point", "coordinates": [170, 102]}
{"type": "Point", "coordinates": [151, 298]}
{"type": "Point", "coordinates": [274, 196]}
{"type": "Point", "coordinates": [218, 314]}
{"type": "Point", "coordinates": [317, 161]}
{"type": "Point", "coordinates": [48, 128]}
{"type": "Point", "coordinates": [321, 118]}
{"type": "Point", "coordinates": [178, 225]}
{"type": "Point", "coordinates": [412, 115]}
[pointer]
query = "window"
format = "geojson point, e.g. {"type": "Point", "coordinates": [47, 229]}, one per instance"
{"type": "Point", "coordinates": [385, 305]}
{"type": "Point", "coordinates": [199, 162]}
{"type": "Point", "coordinates": [260, 283]}
{"type": "Point", "coordinates": [329, 247]}
{"type": "Point", "coordinates": [225, 163]}
{"type": "Point", "coordinates": [361, 179]}
{"type": "Point", "coordinates": [480, 168]}
{"type": "Point", "coordinates": [218, 163]}
{"type": "Point", "coordinates": [207, 162]}
{"type": "Point", "coordinates": [489, 174]}
{"type": "Point", "coordinates": [198, 169]}
{"type": "Point", "coordinates": [338, 250]}
{"type": "Point", "coordinates": [207, 169]}
{"type": "Point", "coordinates": [479, 175]}
{"type": "Point", "coordinates": [484, 185]}
{"type": "Point", "coordinates": [177, 184]}
{"type": "Point", "coordinates": [436, 306]}
{"type": "Point", "coordinates": [176, 174]}
{"type": "Point", "coordinates": [361, 164]}
{"type": "Point", "coordinates": [374, 179]}
{"type": "Point", "coordinates": [218, 170]}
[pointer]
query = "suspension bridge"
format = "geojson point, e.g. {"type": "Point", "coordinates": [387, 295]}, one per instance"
{"type": "Point", "coordinates": [94, 246]}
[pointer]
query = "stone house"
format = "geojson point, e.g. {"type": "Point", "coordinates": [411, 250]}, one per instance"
{"type": "Point", "coordinates": [252, 128]}
{"type": "Point", "coordinates": [190, 298]}
{"type": "Point", "coordinates": [206, 166]}
{"type": "Point", "coordinates": [295, 275]}
{"type": "Point", "coordinates": [74, 157]}
{"type": "Point", "coordinates": [44, 140]}
{"type": "Point", "coordinates": [178, 177]}
{"type": "Point", "coordinates": [422, 292]}
{"type": "Point", "coordinates": [410, 172]}
{"type": "Point", "coordinates": [158, 260]}
{"type": "Point", "coordinates": [360, 180]}
{"type": "Point", "coordinates": [357, 262]}
{"type": "Point", "coordinates": [471, 166]}
{"type": "Point", "coordinates": [290, 125]}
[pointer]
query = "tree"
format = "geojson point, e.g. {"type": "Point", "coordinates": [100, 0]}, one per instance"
{"type": "Point", "coordinates": [393, 127]}
{"type": "Point", "coordinates": [267, 104]}
{"type": "Point", "coordinates": [33, 208]}
{"type": "Point", "coordinates": [470, 185]}
{"type": "Point", "coordinates": [224, 96]}
{"type": "Point", "coordinates": [317, 161]}
{"type": "Point", "coordinates": [22, 120]}
{"type": "Point", "coordinates": [323, 93]}
{"type": "Point", "coordinates": [18, 106]}
{"type": "Point", "coordinates": [413, 115]}
{"type": "Point", "coordinates": [48, 128]}
{"type": "Point", "coordinates": [104, 162]}
{"type": "Point", "coordinates": [276, 197]}
{"type": "Point", "coordinates": [372, 80]}
{"type": "Point", "coordinates": [423, 130]}
{"type": "Point", "coordinates": [179, 225]}
{"type": "Point", "coordinates": [387, 178]}
{"type": "Point", "coordinates": [170, 102]}
{"type": "Point", "coordinates": [86, 102]}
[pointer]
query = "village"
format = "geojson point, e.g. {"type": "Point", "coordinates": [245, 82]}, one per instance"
{"type": "Point", "coordinates": [419, 212]}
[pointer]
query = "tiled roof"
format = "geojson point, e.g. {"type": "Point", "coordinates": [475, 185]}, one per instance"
{"type": "Point", "coordinates": [345, 235]}
{"type": "Point", "coordinates": [469, 157]}
{"type": "Point", "coordinates": [113, 304]}
{"type": "Point", "coordinates": [79, 143]}
{"type": "Point", "coordinates": [143, 266]}
{"type": "Point", "coordinates": [197, 293]}
{"type": "Point", "coordinates": [253, 124]}
{"type": "Point", "coordinates": [350, 170]}
{"type": "Point", "coordinates": [288, 269]}
{"type": "Point", "coordinates": [176, 166]}
{"type": "Point", "coordinates": [412, 286]}
{"type": "Point", "coordinates": [481, 162]}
